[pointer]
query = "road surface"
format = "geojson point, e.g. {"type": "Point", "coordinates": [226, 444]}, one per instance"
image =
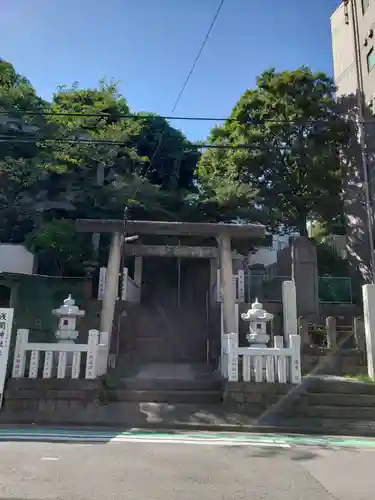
{"type": "Point", "coordinates": [140, 466]}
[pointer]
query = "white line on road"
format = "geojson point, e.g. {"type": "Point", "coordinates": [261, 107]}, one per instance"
{"type": "Point", "coordinates": [55, 437]}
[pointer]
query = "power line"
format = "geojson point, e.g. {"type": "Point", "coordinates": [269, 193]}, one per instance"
{"type": "Point", "coordinates": [203, 44]}
{"type": "Point", "coordinates": [100, 142]}
{"type": "Point", "coordinates": [151, 117]}
{"type": "Point", "coordinates": [214, 19]}
{"type": "Point", "coordinates": [15, 139]}
{"type": "Point", "coordinates": [132, 116]}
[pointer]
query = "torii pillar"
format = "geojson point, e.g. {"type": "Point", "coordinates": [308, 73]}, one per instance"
{"type": "Point", "coordinates": [111, 285]}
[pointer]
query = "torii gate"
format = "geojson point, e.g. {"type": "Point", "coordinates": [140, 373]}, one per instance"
{"type": "Point", "coordinates": [223, 233]}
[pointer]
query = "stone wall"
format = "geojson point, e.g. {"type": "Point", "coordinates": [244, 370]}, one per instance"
{"type": "Point", "coordinates": [256, 398]}
{"type": "Point", "coordinates": [321, 360]}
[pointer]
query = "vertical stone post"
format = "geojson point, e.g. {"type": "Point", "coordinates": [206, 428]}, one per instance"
{"type": "Point", "coordinates": [138, 264]}
{"type": "Point", "coordinates": [226, 275]}
{"type": "Point", "coordinates": [276, 325]}
{"type": "Point", "coordinates": [303, 330]}
{"type": "Point", "coordinates": [331, 332]}
{"type": "Point", "coordinates": [359, 334]}
{"type": "Point", "coordinates": [368, 292]}
{"type": "Point", "coordinates": [289, 310]}
{"type": "Point", "coordinates": [305, 277]}
{"type": "Point", "coordinates": [111, 285]}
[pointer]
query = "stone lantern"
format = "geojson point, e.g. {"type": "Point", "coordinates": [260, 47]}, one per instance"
{"type": "Point", "coordinates": [68, 314]}
{"type": "Point", "coordinates": [258, 319]}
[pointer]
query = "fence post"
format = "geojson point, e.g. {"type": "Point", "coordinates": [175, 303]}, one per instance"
{"type": "Point", "coordinates": [295, 359]}
{"type": "Point", "coordinates": [331, 332]}
{"type": "Point", "coordinates": [359, 334]}
{"type": "Point", "coordinates": [368, 292]}
{"type": "Point", "coordinates": [92, 354]}
{"type": "Point", "coordinates": [19, 360]}
{"type": "Point", "coordinates": [303, 330]}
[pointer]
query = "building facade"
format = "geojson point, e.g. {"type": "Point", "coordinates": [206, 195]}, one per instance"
{"type": "Point", "coordinates": [353, 49]}
{"type": "Point", "coordinates": [344, 50]}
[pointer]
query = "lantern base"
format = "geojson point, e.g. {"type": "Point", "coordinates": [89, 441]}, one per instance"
{"type": "Point", "coordinates": [258, 339]}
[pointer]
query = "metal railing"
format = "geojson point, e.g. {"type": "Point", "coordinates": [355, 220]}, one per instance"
{"type": "Point", "coordinates": [335, 290]}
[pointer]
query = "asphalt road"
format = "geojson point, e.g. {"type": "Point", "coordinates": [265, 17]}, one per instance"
{"type": "Point", "coordinates": [183, 471]}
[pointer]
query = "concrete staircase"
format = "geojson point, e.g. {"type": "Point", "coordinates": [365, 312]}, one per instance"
{"type": "Point", "coordinates": [166, 383]}
{"type": "Point", "coordinates": [184, 398]}
{"type": "Point", "coordinates": [326, 403]}
{"type": "Point", "coordinates": [152, 333]}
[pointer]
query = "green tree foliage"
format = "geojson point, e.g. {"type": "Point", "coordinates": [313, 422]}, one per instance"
{"type": "Point", "coordinates": [294, 132]}
{"type": "Point", "coordinates": [59, 248]}
{"type": "Point", "coordinates": [19, 158]}
{"type": "Point", "coordinates": [52, 168]}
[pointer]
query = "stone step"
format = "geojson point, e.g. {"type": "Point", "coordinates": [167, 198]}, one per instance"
{"type": "Point", "coordinates": [340, 386]}
{"type": "Point", "coordinates": [139, 384]}
{"type": "Point", "coordinates": [340, 400]}
{"type": "Point", "coordinates": [172, 397]}
{"type": "Point", "coordinates": [340, 412]}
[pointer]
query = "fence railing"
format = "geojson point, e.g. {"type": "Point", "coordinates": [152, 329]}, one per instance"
{"type": "Point", "coordinates": [264, 288]}
{"type": "Point", "coordinates": [277, 364]}
{"type": "Point", "coordinates": [331, 290]}
{"type": "Point", "coordinates": [53, 360]}
{"type": "Point", "coordinates": [335, 290]}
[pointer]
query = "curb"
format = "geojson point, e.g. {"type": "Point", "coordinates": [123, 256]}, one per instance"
{"type": "Point", "coordinates": [232, 428]}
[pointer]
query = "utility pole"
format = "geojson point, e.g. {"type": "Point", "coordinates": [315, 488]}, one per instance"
{"type": "Point", "coordinates": [362, 132]}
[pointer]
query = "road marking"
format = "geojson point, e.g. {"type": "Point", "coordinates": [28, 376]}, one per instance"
{"type": "Point", "coordinates": [219, 439]}
{"type": "Point", "coordinates": [51, 459]}
{"type": "Point", "coordinates": [128, 439]}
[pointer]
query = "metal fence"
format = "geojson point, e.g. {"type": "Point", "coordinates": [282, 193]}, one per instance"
{"type": "Point", "coordinates": [335, 290]}
{"type": "Point", "coordinates": [332, 290]}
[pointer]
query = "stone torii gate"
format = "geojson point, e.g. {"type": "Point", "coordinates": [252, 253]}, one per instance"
{"type": "Point", "coordinates": [222, 233]}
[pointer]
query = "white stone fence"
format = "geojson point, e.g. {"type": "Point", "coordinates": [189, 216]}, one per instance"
{"type": "Point", "coordinates": [65, 356]}
{"type": "Point", "coordinates": [277, 364]}
{"type": "Point", "coordinates": [129, 290]}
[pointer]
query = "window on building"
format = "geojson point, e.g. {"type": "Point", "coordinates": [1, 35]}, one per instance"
{"type": "Point", "coordinates": [365, 4]}
{"type": "Point", "coordinates": [370, 60]}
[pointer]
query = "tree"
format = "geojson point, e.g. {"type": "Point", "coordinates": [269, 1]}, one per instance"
{"type": "Point", "coordinates": [293, 132]}
{"type": "Point", "coordinates": [59, 248]}
{"type": "Point", "coordinates": [78, 156]}
{"type": "Point", "coordinates": [20, 164]}
{"type": "Point", "coordinates": [130, 171]}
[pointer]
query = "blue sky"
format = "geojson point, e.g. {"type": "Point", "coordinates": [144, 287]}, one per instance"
{"type": "Point", "coordinates": [150, 45]}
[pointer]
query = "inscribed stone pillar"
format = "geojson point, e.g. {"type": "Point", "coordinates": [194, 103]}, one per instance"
{"type": "Point", "coordinates": [138, 264]}
{"type": "Point", "coordinates": [111, 285]}
{"type": "Point", "coordinates": [305, 277]}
